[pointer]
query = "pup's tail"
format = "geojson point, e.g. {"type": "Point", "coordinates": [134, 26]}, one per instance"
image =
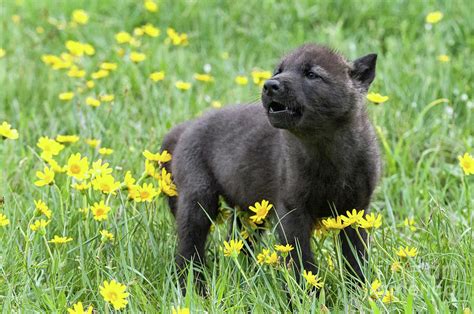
{"type": "Point", "coordinates": [169, 143]}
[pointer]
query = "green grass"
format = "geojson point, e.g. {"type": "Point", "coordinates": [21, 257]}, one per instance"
{"type": "Point", "coordinates": [420, 144]}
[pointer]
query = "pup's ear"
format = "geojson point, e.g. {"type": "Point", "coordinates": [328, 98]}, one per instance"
{"type": "Point", "coordinates": [363, 70]}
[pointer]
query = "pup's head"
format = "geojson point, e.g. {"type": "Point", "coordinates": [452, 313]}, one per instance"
{"type": "Point", "coordinates": [315, 88]}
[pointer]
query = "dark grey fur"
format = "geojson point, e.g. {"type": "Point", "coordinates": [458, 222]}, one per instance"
{"type": "Point", "coordinates": [312, 153]}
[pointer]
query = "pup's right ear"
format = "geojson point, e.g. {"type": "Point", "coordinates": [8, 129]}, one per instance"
{"type": "Point", "coordinates": [363, 70]}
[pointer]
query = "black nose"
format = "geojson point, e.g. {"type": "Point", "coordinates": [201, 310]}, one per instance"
{"type": "Point", "coordinates": [271, 87]}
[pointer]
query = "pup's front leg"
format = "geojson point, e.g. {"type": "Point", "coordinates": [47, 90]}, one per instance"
{"type": "Point", "coordinates": [295, 228]}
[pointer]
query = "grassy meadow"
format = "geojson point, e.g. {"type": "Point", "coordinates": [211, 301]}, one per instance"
{"type": "Point", "coordinates": [69, 72]}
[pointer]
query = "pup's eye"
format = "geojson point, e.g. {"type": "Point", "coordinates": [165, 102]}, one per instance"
{"type": "Point", "coordinates": [312, 75]}
{"type": "Point", "coordinates": [277, 71]}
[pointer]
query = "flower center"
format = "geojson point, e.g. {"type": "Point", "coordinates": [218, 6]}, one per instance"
{"type": "Point", "coordinates": [144, 194]}
{"type": "Point", "coordinates": [75, 168]}
{"type": "Point", "coordinates": [112, 295]}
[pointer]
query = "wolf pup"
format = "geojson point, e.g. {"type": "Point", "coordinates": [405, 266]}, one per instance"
{"type": "Point", "coordinates": [309, 148]}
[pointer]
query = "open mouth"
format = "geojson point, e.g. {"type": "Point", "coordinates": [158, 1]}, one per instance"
{"type": "Point", "coordinates": [282, 116]}
{"type": "Point", "coordinates": [280, 109]}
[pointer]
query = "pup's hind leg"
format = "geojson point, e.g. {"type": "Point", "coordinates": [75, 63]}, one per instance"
{"type": "Point", "coordinates": [196, 209]}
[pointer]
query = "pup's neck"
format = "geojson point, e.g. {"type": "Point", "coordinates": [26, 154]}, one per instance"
{"type": "Point", "coordinates": [334, 145]}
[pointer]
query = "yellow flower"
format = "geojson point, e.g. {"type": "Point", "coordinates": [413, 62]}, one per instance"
{"type": "Point", "coordinates": [2, 53]}
{"type": "Point", "coordinates": [138, 31]}
{"type": "Point", "coordinates": [352, 217]}
{"type": "Point", "coordinates": [434, 17]}
{"type": "Point", "coordinates": [106, 151]}
{"type": "Point", "coordinates": [388, 297]}
{"type": "Point", "coordinates": [261, 257]}
{"type": "Point", "coordinates": [129, 180]}
{"type": "Point", "coordinates": [57, 63]}
{"type": "Point", "coordinates": [108, 66]}
{"type": "Point", "coordinates": [137, 56]}
{"type": "Point", "coordinates": [241, 80]}
{"type": "Point", "coordinates": [66, 96]}
{"type": "Point", "coordinates": [100, 211]}
{"type": "Point", "coordinates": [99, 168]}
{"type": "Point", "coordinates": [314, 280]}
{"type": "Point", "coordinates": [50, 59]}
{"type": "Point", "coordinates": [6, 131]}
{"type": "Point", "coordinates": [259, 77]}
{"type": "Point", "coordinates": [78, 49]}
{"type": "Point", "coordinates": [151, 6]}
{"type": "Point", "coordinates": [46, 177]}
{"type": "Point", "coordinates": [106, 97]}
{"type": "Point", "coordinates": [77, 167]}
{"type": "Point", "coordinates": [67, 138]}
{"type": "Point", "coordinates": [133, 191]}
{"type": "Point", "coordinates": [39, 224]}
{"type": "Point", "coordinates": [92, 142]}
{"type": "Point", "coordinates": [16, 19]}
{"type": "Point", "coordinates": [74, 71]}
{"type": "Point", "coordinates": [99, 74]}
{"type": "Point", "coordinates": [284, 248]}
{"type": "Point", "coordinates": [166, 184]}
{"type": "Point", "coordinates": [272, 259]}
{"type": "Point", "coordinates": [396, 267]}
{"type": "Point", "coordinates": [320, 231]}
{"type": "Point", "coordinates": [443, 58]}
{"type": "Point", "coordinates": [176, 38]}
{"type": "Point", "coordinates": [42, 208]}
{"type": "Point", "coordinates": [157, 76]}
{"type": "Point", "coordinates": [79, 309]}
{"type": "Point", "coordinates": [49, 147]}
{"type": "Point", "coordinates": [182, 85]}
{"type": "Point", "coordinates": [93, 102]}
{"type": "Point", "coordinates": [114, 293]}
{"type": "Point", "coordinates": [123, 37]}
{"type": "Point", "coordinates": [80, 17]}
{"type": "Point", "coordinates": [183, 310]}
{"type": "Point", "coordinates": [84, 210]}
{"type": "Point", "coordinates": [410, 223]}
{"type": "Point", "coordinates": [39, 30]}
{"type": "Point", "coordinates": [371, 221]}
{"type": "Point", "coordinates": [261, 210]}
{"type": "Point", "coordinates": [216, 104]}
{"type": "Point", "coordinates": [106, 235]}
{"type": "Point", "coordinates": [375, 293]}
{"type": "Point", "coordinates": [4, 221]}
{"type": "Point", "coordinates": [376, 98]}
{"type": "Point", "coordinates": [233, 248]}
{"type": "Point", "coordinates": [60, 240]}
{"type": "Point", "coordinates": [162, 157]}
{"type": "Point", "coordinates": [106, 184]}
{"type": "Point", "coordinates": [54, 164]}
{"type": "Point", "coordinates": [406, 252]}
{"type": "Point", "coordinates": [467, 163]}
{"type": "Point", "coordinates": [82, 186]}
{"type": "Point", "coordinates": [90, 84]}
{"type": "Point", "coordinates": [146, 193]}
{"type": "Point", "coordinates": [151, 30]}
{"type": "Point", "coordinates": [150, 170]}
{"type": "Point", "coordinates": [203, 77]}
{"type": "Point", "coordinates": [335, 224]}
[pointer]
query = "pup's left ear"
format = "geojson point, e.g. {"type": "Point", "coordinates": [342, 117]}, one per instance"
{"type": "Point", "coordinates": [363, 70]}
